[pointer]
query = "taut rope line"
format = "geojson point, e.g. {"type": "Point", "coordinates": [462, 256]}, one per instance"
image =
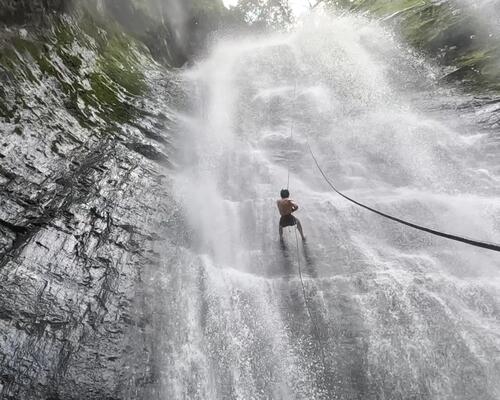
{"type": "Point", "coordinates": [306, 302]}
{"type": "Point", "coordinates": [292, 126]}
{"type": "Point", "coordinates": [472, 242]}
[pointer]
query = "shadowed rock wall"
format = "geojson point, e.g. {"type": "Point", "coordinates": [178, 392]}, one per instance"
{"type": "Point", "coordinates": [21, 11]}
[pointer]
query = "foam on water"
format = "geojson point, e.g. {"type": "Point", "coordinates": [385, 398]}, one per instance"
{"type": "Point", "coordinates": [397, 313]}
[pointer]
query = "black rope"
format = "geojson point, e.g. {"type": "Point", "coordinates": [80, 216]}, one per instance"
{"type": "Point", "coordinates": [304, 294]}
{"type": "Point", "coordinates": [292, 125]}
{"type": "Point", "coordinates": [484, 245]}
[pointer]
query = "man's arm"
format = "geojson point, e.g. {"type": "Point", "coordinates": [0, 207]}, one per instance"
{"type": "Point", "coordinates": [295, 207]}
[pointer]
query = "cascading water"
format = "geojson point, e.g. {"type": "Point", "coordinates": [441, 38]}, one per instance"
{"type": "Point", "coordinates": [394, 313]}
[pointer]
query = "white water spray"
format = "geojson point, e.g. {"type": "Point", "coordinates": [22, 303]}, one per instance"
{"type": "Point", "coordinates": [400, 314]}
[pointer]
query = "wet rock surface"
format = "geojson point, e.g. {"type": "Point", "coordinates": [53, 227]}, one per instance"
{"type": "Point", "coordinates": [84, 209]}
{"type": "Point", "coordinates": [19, 11]}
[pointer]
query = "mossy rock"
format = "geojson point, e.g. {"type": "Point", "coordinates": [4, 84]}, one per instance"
{"type": "Point", "coordinates": [120, 64]}
{"type": "Point", "coordinates": [117, 76]}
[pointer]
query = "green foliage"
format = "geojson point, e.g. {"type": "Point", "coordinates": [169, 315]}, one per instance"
{"type": "Point", "coordinates": [208, 14]}
{"type": "Point", "coordinates": [265, 14]}
{"type": "Point", "coordinates": [213, 7]}
{"type": "Point", "coordinates": [443, 31]}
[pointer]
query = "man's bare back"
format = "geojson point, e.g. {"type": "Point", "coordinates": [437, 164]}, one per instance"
{"type": "Point", "coordinates": [287, 207]}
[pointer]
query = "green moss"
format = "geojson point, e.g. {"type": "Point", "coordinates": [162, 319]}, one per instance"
{"type": "Point", "coordinates": [105, 97]}
{"type": "Point", "coordinates": [116, 78]}
{"type": "Point", "coordinates": [64, 34]}
{"type": "Point", "coordinates": [72, 62]}
{"type": "Point", "coordinates": [101, 89]}
{"type": "Point", "coordinates": [429, 27]}
{"type": "Point", "coordinates": [120, 64]}
{"type": "Point", "coordinates": [46, 66]}
{"type": "Point", "coordinates": [9, 56]}
{"type": "Point", "coordinates": [474, 59]}
{"type": "Point", "coordinates": [480, 68]}
{"type": "Point", "coordinates": [117, 53]}
{"type": "Point", "coordinates": [117, 70]}
{"type": "Point", "coordinates": [26, 46]}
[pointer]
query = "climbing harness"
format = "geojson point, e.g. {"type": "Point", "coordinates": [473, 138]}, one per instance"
{"type": "Point", "coordinates": [476, 243]}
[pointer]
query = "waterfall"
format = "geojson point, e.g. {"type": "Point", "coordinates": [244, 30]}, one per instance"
{"type": "Point", "coordinates": [395, 313]}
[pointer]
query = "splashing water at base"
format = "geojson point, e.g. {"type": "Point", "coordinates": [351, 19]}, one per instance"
{"type": "Point", "coordinates": [396, 313]}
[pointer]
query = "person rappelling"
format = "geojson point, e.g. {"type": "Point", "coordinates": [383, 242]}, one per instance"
{"type": "Point", "coordinates": [287, 207]}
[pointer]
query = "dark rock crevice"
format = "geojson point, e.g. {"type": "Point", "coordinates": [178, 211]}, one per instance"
{"type": "Point", "coordinates": [24, 11]}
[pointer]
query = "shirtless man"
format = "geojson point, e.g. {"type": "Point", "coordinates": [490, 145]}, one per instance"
{"type": "Point", "coordinates": [286, 206]}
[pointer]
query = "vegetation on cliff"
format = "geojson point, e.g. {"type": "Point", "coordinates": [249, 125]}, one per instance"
{"type": "Point", "coordinates": [449, 31]}
{"type": "Point", "coordinates": [259, 14]}
{"type": "Point", "coordinates": [95, 53]}
{"type": "Point", "coordinates": [96, 68]}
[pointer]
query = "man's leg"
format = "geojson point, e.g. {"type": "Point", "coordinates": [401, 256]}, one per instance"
{"type": "Point", "coordinates": [281, 232]}
{"type": "Point", "coordinates": [299, 227]}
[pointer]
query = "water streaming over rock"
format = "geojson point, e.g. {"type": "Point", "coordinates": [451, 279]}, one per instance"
{"type": "Point", "coordinates": [396, 314]}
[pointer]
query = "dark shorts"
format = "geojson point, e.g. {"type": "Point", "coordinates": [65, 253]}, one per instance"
{"type": "Point", "coordinates": [288, 220]}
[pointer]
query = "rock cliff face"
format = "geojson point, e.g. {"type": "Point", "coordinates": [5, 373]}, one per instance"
{"type": "Point", "coordinates": [173, 30]}
{"type": "Point", "coordinates": [87, 126]}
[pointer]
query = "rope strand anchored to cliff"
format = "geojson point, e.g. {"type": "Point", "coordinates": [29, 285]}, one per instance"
{"type": "Point", "coordinates": [292, 126]}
